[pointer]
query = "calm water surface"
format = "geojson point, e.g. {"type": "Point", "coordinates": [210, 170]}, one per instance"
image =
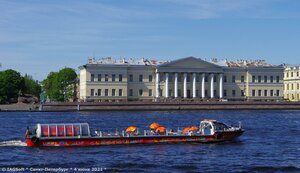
{"type": "Point", "coordinates": [271, 143]}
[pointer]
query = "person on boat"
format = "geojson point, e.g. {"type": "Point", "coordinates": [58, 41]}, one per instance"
{"type": "Point", "coordinates": [171, 132]}
{"type": "Point", "coordinates": [97, 132]}
{"type": "Point", "coordinates": [152, 133]}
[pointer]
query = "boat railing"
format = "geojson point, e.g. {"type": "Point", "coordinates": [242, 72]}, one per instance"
{"type": "Point", "coordinates": [169, 132]}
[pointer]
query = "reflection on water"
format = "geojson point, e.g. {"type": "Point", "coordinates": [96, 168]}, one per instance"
{"type": "Point", "coordinates": [270, 144]}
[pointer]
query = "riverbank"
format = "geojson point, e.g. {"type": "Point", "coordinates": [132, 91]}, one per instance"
{"type": "Point", "coordinates": [152, 106]}
{"type": "Point", "coordinates": [19, 107]}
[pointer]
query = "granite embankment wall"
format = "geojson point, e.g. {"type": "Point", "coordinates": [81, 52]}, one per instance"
{"type": "Point", "coordinates": [161, 106]}
{"type": "Point", "coordinates": [152, 106]}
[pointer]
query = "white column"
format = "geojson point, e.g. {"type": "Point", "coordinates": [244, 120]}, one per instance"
{"type": "Point", "coordinates": [211, 85]}
{"type": "Point", "coordinates": [221, 85]}
{"type": "Point", "coordinates": [184, 85]}
{"type": "Point", "coordinates": [176, 85]}
{"type": "Point", "coordinates": [203, 85]}
{"type": "Point", "coordinates": [194, 85]}
{"type": "Point", "coordinates": [167, 85]}
{"type": "Point", "coordinates": [157, 85]}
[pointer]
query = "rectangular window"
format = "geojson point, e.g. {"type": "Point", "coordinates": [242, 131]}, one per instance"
{"type": "Point", "coordinates": [233, 79]}
{"type": "Point", "coordinates": [206, 93]}
{"type": "Point", "coordinates": [171, 77]}
{"type": "Point", "coordinates": [233, 93]}
{"type": "Point", "coordinates": [297, 74]}
{"type": "Point", "coordinates": [215, 78]}
{"type": "Point", "coordinates": [206, 78]}
{"type": "Point", "coordinates": [170, 92]}
{"type": "Point", "coordinates": [120, 92]}
{"type": "Point", "coordinates": [277, 79]}
{"type": "Point", "coordinates": [266, 93]}
{"type": "Point", "coordinates": [120, 78]}
{"type": "Point", "coordinates": [198, 78]}
{"type": "Point", "coordinates": [271, 79]}
{"type": "Point", "coordinates": [225, 79]}
{"type": "Point", "coordinates": [179, 92]}
{"type": "Point", "coordinates": [161, 77]}
{"type": "Point", "coordinates": [92, 92]}
{"type": "Point", "coordinates": [150, 92]}
{"type": "Point", "coordinates": [225, 93]}
{"type": "Point", "coordinates": [259, 79]}
{"type": "Point", "coordinates": [242, 79]}
{"type": "Point", "coordinates": [253, 93]}
{"type": "Point", "coordinates": [131, 78]}
{"type": "Point", "coordinates": [131, 92]}
{"type": "Point", "coordinates": [150, 78]}
{"type": "Point", "coordinates": [179, 77]}
{"type": "Point", "coordinates": [99, 92]}
{"type": "Point", "coordinates": [271, 93]}
{"type": "Point", "coordinates": [292, 86]}
{"type": "Point", "coordinates": [106, 77]}
{"type": "Point", "coordinates": [288, 86]}
{"type": "Point", "coordinates": [99, 77]}
{"type": "Point", "coordinates": [253, 79]}
{"type": "Point", "coordinates": [141, 78]}
{"type": "Point", "coordinates": [160, 92]}
{"type": "Point", "coordinates": [113, 77]}
{"type": "Point", "coordinates": [287, 74]}
{"type": "Point", "coordinates": [242, 93]}
{"type": "Point", "coordinates": [265, 79]}
{"type": "Point", "coordinates": [259, 92]}
{"type": "Point", "coordinates": [215, 92]}
{"type": "Point", "coordinates": [113, 92]}
{"type": "Point", "coordinates": [277, 93]}
{"type": "Point", "coordinates": [188, 78]}
{"type": "Point", "coordinates": [106, 92]}
{"type": "Point", "coordinates": [292, 74]}
{"type": "Point", "coordinates": [92, 77]}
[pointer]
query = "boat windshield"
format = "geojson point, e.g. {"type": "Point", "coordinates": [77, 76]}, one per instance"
{"type": "Point", "coordinates": [220, 126]}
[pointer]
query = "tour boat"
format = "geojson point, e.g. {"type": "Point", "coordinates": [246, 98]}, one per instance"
{"type": "Point", "coordinates": [79, 134]}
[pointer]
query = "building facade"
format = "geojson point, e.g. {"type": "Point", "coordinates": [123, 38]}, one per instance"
{"type": "Point", "coordinates": [183, 79]}
{"type": "Point", "coordinates": [292, 83]}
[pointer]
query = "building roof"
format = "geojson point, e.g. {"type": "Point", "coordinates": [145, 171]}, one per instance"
{"type": "Point", "coordinates": [130, 61]}
{"type": "Point", "coordinates": [214, 61]}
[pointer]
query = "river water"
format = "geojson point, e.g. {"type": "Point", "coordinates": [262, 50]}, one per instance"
{"type": "Point", "coordinates": [271, 143]}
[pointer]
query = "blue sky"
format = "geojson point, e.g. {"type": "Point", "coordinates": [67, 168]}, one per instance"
{"type": "Point", "coordinates": [37, 37]}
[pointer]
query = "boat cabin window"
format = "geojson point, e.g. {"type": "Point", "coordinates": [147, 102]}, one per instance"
{"type": "Point", "coordinates": [69, 130]}
{"type": "Point", "coordinates": [84, 130]}
{"type": "Point", "coordinates": [61, 130]}
{"type": "Point", "coordinates": [53, 130]}
{"type": "Point", "coordinates": [207, 129]}
{"type": "Point", "coordinates": [45, 130]}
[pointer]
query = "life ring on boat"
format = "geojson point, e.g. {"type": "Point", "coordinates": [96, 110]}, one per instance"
{"type": "Point", "coordinates": [34, 139]}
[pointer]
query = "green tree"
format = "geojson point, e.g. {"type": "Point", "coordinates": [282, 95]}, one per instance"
{"type": "Point", "coordinates": [31, 86]}
{"type": "Point", "coordinates": [11, 84]}
{"type": "Point", "coordinates": [56, 83]}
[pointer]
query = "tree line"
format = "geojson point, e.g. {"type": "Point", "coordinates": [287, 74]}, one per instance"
{"type": "Point", "coordinates": [54, 87]}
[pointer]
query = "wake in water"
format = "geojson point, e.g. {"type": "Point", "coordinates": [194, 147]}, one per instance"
{"type": "Point", "coordinates": [12, 143]}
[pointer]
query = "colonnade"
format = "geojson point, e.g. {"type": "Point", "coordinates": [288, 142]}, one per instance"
{"type": "Point", "coordinates": [194, 85]}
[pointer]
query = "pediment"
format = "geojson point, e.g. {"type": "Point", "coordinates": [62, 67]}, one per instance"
{"type": "Point", "coordinates": [190, 62]}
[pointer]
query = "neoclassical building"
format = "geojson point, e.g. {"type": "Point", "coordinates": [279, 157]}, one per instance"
{"type": "Point", "coordinates": [183, 79]}
{"type": "Point", "coordinates": [292, 83]}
